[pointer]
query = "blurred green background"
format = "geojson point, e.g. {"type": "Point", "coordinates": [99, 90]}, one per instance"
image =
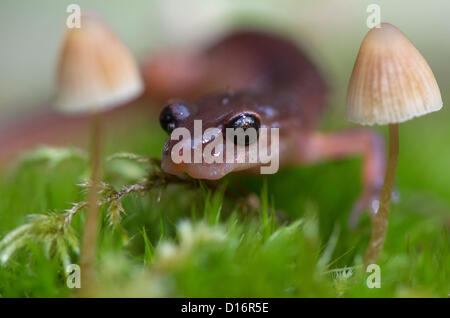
{"type": "Point", "coordinates": [416, 254]}
{"type": "Point", "coordinates": [330, 30]}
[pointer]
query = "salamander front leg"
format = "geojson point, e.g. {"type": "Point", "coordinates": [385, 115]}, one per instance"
{"type": "Point", "coordinates": [368, 144]}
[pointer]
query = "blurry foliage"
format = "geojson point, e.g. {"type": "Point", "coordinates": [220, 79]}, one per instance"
{"type": "Point", "coordinates": [187, 238]}
{"type": "Point", "coordinates": [51, 230]}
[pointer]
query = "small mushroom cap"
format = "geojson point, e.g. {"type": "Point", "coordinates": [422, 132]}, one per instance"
{"type": "Point", "coordinates": [96, 71]}
{"type": "Point", "coordinates": [391, 82]}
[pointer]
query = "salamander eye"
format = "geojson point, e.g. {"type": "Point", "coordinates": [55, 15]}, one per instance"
{"type": "Point", "coordinates": [172, 114]}
{"type": "Point", "coordinates": [249, 124]}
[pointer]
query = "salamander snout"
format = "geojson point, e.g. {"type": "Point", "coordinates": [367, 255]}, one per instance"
{"type": "Point", "coordinates": [212, 142]}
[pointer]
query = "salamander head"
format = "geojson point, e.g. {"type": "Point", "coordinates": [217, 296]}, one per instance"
{"type": "Point", "coordinates": [216, 136]}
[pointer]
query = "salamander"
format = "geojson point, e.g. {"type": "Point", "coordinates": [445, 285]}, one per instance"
{"type": "Point", "coordinates": [260, 80]}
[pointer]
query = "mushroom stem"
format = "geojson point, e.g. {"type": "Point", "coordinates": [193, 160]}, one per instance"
{"type": "Point", "coordinates": [380, 219]}
{"type": "Point", "coordinates": [90, 233]}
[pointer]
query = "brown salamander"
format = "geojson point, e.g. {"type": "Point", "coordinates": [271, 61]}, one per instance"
{"type": "Point", "coordinates": [253, 79]}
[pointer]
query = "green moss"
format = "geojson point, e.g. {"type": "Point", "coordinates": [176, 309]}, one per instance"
{"type": "Point", "coordinates": [192, 241]}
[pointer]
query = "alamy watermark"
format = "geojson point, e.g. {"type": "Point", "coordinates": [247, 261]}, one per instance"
{"type": "Point", "coordinates": [239, 146]}
{"type": "Point", "coordinates": [374, 279]}
{"type": "Point", "coordinates": [73, 273]}
{"type": "Point", "coordinates": [374, 18]}
{"type": "Point", "coordinates": [74, 18]}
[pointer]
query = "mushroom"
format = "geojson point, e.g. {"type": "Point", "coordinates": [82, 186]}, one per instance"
{"type": "Point", "coordinates": [391, 83]}
{"type": "Point", "coordinates": [96, 72]}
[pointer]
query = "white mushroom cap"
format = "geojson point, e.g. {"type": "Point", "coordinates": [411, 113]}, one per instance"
{"type": "Point", "coordinates": [391, 82]}
{"type": "Point", "coordinates": [96, 71]}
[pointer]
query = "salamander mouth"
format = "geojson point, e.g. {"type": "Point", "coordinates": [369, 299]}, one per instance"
{"type": "Point", "coordinates": [201, 170]}
{"type": "Point", "coordinates": [196, 170]}
{"type": "Point", "coordinates": [209, 171]}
